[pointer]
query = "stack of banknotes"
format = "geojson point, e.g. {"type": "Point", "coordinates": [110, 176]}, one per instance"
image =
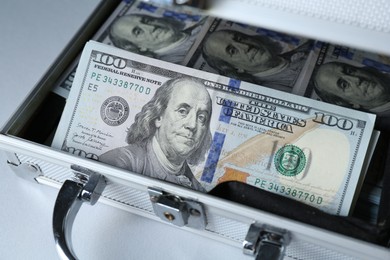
{"type": "Point", "coordinates": [196, 100]}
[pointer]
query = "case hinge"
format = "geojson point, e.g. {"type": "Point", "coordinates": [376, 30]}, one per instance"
{"type": "Point", "coordinates": [176, 210]}
{"type": "Point", "coordinates": [265, 242]}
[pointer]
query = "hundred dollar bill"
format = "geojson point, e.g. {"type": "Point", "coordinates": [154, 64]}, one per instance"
{"type": "Point", "coordinates": [258, 55]}
{"type": "Point", "coordinates": [352, 78]}
{"type": "Point", "coordinates": [165, 33]}
{"type": "Point", "coordinates": [199, 129]}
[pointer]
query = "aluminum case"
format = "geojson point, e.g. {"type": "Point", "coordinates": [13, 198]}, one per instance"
{"type": "Point", "coordinates": [26, 143]}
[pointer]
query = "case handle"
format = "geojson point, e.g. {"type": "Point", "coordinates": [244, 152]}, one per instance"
{"type": "Point", "coordinates": [69, 200]}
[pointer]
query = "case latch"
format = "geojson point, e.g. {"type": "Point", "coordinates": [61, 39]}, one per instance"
{"type": "Point", "coordinates": [265, 242]}
{"type": "Point", "coordinates": [176, 210]}
{"type": "Point", "coordinates": [26, 170]}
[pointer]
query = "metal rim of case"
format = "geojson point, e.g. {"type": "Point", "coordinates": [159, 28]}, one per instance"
{"type": "Point", "coordinates": [221, 215]}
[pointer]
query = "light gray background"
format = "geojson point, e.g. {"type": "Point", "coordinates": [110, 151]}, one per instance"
{"type": "Point", "coordinates": [32, 34]}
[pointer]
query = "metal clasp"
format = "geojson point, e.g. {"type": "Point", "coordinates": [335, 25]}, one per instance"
{"type": "Point", "coordinates": [176, 210]}
{"type": "Point", "coordinates": [26, 170]}
{"type": "Point", "coordinates": [265, 242]}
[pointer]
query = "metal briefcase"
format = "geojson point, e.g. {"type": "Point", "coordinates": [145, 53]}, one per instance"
{"type": "Point", "coordinates": [225, 214]}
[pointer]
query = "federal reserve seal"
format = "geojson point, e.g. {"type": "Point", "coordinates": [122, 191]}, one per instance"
{"type": "Point", "coordinates": [290, 160]}
{"type": "Point", "coordinates": [114, 111]}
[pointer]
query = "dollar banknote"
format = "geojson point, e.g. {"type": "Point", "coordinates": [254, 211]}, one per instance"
{"type": "Point", "coordinates": [163, 32]}
{"type": "Point", "coordinates": [199, 129]}
{"type": "Point", "coordinates": [351, 78]}
{"type": "Point", "coordinates": [269, 58]}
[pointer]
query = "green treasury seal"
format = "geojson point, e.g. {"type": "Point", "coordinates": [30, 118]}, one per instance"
{"type": "Point", "coordinates": [290, 160]}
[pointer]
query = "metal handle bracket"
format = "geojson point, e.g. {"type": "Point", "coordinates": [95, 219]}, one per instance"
{"type": "Point", "coordinates": [265, 242]}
